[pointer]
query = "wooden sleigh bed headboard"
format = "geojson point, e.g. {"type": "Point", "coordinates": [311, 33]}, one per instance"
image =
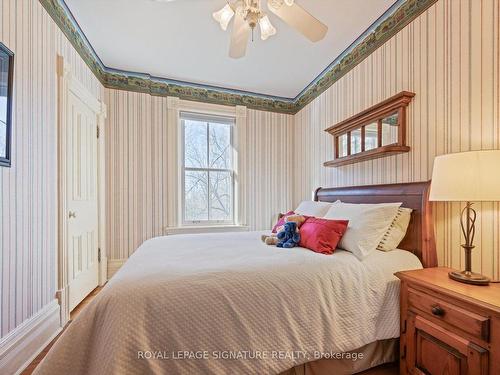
{"type": "Point", "coordinates": [420, 235]}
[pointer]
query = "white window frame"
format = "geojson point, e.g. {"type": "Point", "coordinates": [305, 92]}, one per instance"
{"type": "Point", "coordinates": [208, 118]}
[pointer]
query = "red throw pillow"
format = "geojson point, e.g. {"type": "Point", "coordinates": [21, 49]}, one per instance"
{"type": "Point", "coordinates": [322, 235]}
{"type": "Point", "coordinates": [281, 221]}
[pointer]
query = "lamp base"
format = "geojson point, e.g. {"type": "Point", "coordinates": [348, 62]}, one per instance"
{"type": "Point", "coordinates": [469, 277]}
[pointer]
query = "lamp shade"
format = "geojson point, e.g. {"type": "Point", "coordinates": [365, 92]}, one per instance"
{"type": "Point", "coordinates": [466, 176]}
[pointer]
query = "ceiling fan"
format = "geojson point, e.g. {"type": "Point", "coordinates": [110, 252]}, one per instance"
{"type": "Point", "coordinates": [249, 13]}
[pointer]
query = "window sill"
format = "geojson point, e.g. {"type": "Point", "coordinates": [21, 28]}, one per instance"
{"type": "Point", "coordinates": [194, 229]}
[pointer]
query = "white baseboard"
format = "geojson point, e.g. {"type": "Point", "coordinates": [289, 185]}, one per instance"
{"type": "Point", "coordinates": [62, 296]}
{"type": "Point", "coordinates": [20, 346]}
{"type": "Point", "coordinates": [114, 265]}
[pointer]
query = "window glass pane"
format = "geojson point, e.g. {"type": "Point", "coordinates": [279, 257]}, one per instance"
{"type": "Point", "coordinates": [196, 195]}
{"type": "Point", "coordinates": [219, 146]}
{"type": "Point", "coordinates": [221, 196]}
{"type": "Point", "coordinates": [371, 136]}
{"type": "Point", "coordinates": [390, 129]}
{"type": "Point", "coordinates": [208, 175]}
{"type": "Point", "coordinates": [343, 145]}
{"type": "Point", "coordinates": [195, 144]}
{"type": "Point", "coordinates": [355, 141]}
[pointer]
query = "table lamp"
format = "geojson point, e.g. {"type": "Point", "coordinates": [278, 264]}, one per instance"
{"type": "Point", "coordinates": [472, 176]}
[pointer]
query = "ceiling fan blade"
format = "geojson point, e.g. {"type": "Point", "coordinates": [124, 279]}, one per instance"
{"type": "Point", "coordinates": [300, 19]}
{"type": "Point", "coordinates": [239, 37]}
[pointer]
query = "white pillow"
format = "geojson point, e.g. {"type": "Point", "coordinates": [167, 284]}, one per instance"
{"type": "Point", "coordinates": [312, 208]}
{"type": "Point", "coordinates": [397, 230]}
{"type": "Point", "coordinates": [367, 225]}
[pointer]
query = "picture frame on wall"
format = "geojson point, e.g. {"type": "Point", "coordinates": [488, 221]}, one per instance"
{"type": "Point", "coordinates": [6, 90]}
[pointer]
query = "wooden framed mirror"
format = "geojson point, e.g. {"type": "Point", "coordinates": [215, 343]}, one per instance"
{"type": "Point", "coordinates": [376, 132]}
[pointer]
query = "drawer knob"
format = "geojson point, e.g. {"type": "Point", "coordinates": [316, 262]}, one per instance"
{"type": "Point", "coordinates": [438, 311]}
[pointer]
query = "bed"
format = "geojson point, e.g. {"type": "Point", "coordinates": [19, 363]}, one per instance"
{"type": "Point", "coordinates": [229, 304]}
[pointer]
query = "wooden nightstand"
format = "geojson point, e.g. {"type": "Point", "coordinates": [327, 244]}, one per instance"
{"type": "Point", "coordinates": [448, 327]}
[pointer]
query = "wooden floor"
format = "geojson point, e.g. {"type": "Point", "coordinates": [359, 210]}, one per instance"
{"type": "Point", "coordinates": [31, 367]}
{"type": "Point", "coordinates": [389, 369]}
{"type": "Point", "coordinates": [84, 303]}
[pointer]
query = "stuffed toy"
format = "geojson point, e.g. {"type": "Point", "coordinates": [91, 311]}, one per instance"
{"type": "Point", "coordinates": [273, 238]}
{"type": "Point", "coordinates": [290, 236]}
{"type": "Point", "coordinates": [298, 219]}
{"type": "Point", "coordinates": [270, 240]}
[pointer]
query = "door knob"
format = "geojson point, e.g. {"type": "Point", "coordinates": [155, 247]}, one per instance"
{"type": "Point", "coordinates": [72, 214]}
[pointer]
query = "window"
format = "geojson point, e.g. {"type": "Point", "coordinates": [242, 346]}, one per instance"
{"type": "Point", "coordinates": [208, 175]}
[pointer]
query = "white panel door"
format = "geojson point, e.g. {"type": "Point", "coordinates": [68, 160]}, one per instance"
{"type": "Point", "coordinates": [81, 195]}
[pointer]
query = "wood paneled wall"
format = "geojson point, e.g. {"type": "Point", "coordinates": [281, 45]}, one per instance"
{"type": "Point", "coordinates": [138, 141]}
{"type": "Point", "coordinates": [450, 57]}
{"type": "Point", "coordinates": [28, 200]}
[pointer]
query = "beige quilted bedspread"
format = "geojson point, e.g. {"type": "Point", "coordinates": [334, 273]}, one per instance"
{"type": "Point", "coordinates": [228, 304]}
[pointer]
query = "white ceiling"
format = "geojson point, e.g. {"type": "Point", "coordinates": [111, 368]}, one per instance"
{"type": "Point", "coordinates": [180, 40]}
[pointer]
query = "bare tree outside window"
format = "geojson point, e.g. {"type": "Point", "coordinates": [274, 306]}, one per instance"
{"type": "Point", "coordinates": [208, 169]}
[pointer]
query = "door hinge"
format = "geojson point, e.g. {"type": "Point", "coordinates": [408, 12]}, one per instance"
{"type": "Point", "coordinates": [99, 255]}
{"type": "Point", "coordinates": [97, 131]}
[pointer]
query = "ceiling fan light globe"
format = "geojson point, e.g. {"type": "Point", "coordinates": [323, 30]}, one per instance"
{"type": "Point", "coordinates": [266, 28]}
{"type": "Point", "coordinates": [224, 16]}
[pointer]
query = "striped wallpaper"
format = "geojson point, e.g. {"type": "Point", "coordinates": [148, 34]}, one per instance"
{"type": "Point", "coordinates": [450, 57]}
{"type": "Point", "coordinates": [139, 139]}
{"type": "Point", "coordinates": [136, 158]}
{"type": "Point", "coordinates": [28, 189]}
{"type": "Point", "coordinates": [268, 167]}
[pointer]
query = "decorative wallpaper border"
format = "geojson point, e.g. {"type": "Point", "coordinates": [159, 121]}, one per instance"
{"type": "Point", "coordinates": [392, 21]}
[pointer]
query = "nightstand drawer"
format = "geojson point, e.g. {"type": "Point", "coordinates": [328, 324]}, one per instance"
{"type": "Point", "coordinates": [436, 351]}
{"type": "Point", "coordinates": [464, 320]}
